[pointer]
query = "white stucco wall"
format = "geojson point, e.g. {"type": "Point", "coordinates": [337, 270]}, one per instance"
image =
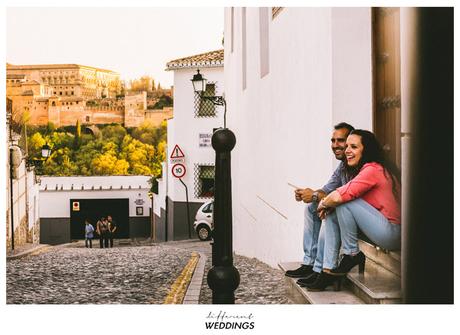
{"type": "Point", "coordinates": [159, 200]}
{"type": "Point", "coordinates": [33, 198]}
{"type": "Point", "coordinates": [55, 203]}
{"type": "Point", "coordinates": [185, 128]}
{"type": "Point", "coordinates": [320, 74]}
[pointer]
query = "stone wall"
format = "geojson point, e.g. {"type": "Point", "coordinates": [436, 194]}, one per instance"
{"type": "Point", "coordinates": [156, 116]}
{"type": "Point", "coordinates": [20, 234]}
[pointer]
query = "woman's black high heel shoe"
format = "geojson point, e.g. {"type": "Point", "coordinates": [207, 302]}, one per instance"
{"type": "Point", "coordinates": [324, 280]}
{"type": "Point", "coordinates": [348, 262]}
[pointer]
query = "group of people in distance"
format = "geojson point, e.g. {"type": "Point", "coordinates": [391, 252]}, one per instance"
{"type": "Point", "coordinates": [363, 194]}
{"type": "Point", "coordinates": [105, 229]}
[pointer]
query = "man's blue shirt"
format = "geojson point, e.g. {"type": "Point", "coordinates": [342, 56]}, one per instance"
{"type": "Point", "coordinates": [338, 178]}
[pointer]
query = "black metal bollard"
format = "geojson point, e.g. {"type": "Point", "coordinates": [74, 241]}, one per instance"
{"type": "Point", "coordinates": [223, 277]}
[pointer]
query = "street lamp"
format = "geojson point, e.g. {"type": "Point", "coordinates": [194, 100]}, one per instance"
{"type": "Point", "coordinates": [223, 277]}
{"type": "Point", "coordinates": [45, 154]}
{"type": "Point", "coordinates": [46, 151]}
{"type": "Point", "coordinates": [199, 86]}
{"type": "Point", "coordinates": [152, 218]}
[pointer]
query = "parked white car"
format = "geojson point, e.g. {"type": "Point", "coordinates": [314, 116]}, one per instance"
{"type": "Point", "coordinates": [204, 224]}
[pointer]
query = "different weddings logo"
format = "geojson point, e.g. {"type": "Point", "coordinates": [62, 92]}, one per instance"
{"type": "Point", "coordinates": [224, 320]}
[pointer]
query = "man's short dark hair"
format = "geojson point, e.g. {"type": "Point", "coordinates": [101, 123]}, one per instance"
{"type": "Point", "coordinates": [343, 125]}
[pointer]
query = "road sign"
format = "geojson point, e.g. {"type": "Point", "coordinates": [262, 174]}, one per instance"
{"type": "Point", "coordinates": [178, 170]}
{"type": "Point", "coordinates": [177, 152]}
{"type": "Point", "coordinates": [75, 206]}
{"type": "Point", "coordinates": [177, 155]}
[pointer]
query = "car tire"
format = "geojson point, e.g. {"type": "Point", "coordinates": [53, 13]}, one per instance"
{"type": "Point", "coordinates": [203, 231]}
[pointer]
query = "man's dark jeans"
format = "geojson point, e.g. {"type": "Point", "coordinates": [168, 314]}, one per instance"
{"type": "Point", "coordinates": [111, 239]}
{"type": "Point", "coordinates": [104, 240]}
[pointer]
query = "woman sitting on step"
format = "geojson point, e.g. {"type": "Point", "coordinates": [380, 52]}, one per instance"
{"type": "Point", "coordinates": [370, 201]}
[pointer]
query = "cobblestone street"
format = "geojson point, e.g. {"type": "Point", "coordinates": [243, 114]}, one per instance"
{"type": "Point", "coordinates": [138, 273]}
{"type": "Point", "coordinates": [76, 275]}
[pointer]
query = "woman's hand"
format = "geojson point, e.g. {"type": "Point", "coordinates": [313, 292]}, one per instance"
{"type": "Point", "coordinates": [322, 210]}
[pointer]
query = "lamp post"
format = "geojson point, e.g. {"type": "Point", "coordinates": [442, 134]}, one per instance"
{"type": "Point", "coordinates": [152, 218]}
{"type": "Point", "coordinates": [223, 277]}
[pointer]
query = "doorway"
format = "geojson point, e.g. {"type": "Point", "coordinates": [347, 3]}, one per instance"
{"type": "Point", "coordinates": [387, 80]}
{"type": "Point", "coordinates": [93, 210]}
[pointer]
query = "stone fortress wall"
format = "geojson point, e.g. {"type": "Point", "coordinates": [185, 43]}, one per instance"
{"type": "Point", "coordinates": [65, 93]}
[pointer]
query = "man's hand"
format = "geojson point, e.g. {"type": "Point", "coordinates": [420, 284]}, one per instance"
{"type": "Point", "coordinates": [304, 194]}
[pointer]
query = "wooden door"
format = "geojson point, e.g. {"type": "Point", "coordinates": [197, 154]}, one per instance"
{"type": "Point", "coordinates": [387, 81]}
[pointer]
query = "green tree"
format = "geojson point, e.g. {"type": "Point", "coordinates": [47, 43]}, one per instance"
{"type": "Point", "coordinates": [139, 155]}
{"type": "Point", "coordinates": [108, 164]}
{"type": "Point", "coordinates": [113, 153]}
{"type": "Point", "coordinates": [77, 138]}
{"type": "Point", "coordinates": [35, 143]}
{"type": "Point", "coordinates": [164, 101]}
{"type": "Point", "coordinates": [114, 133]}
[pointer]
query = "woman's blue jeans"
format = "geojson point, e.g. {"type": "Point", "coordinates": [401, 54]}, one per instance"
{"type": "Point", "coordinates": [341, 228]}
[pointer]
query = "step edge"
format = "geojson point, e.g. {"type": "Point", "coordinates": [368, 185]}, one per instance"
{"type": "Point", "coordinates": [310, 299]}
{"type": "Point", "coordinates": [385, 260]}
{"type": "Point", "coordinates": [393, 294]}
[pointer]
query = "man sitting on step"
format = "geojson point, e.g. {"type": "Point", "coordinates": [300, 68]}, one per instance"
{"type": "Point", "coordinates": [312, 223]}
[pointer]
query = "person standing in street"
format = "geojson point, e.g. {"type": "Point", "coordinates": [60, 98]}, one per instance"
{"type": "Point", "coordinates": [102, 230]}
{"type": "Point", "coordinates": [112, 229]}
{"type": "Point", "coordinates": [89, 230]}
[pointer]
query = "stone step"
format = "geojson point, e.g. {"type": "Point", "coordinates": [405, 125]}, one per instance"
{"type": "Point", "coordinates": [389, 260]}
{"type": "Point", "coordinates": [300, 295]}
{"type": "Point", "coordinates": [376, 285]}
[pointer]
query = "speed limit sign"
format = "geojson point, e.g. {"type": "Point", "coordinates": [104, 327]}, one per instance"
{"type": "Point", "coordinates": [178, 170]}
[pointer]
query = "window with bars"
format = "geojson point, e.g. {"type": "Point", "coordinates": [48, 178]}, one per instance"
{"type": "Point", "coordinates": [204, 180]}
{"type": "Point", "coordinates": [204, 107]}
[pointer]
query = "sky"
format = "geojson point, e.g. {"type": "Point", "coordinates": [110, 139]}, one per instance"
{"type": "Point", "coordinates": [131, 41]}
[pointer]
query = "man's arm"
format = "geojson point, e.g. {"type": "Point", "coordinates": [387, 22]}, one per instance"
{"type": "Point", "coordinates": [334, 182]}
{"type": "Point", "coordinates": [306, 194]}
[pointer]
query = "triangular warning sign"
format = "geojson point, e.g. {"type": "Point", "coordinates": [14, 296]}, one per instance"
{"type": "Point", "coordinates": [177, 152]}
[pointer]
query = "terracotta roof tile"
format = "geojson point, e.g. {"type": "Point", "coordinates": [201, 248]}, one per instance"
{"type": "Point", "coordinates": [208, 59]}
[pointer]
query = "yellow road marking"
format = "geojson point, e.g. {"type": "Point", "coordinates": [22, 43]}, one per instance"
{"type": "Point", "coordinates": [179, 287]}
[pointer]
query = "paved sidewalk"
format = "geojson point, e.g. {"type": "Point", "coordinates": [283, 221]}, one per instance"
{"type": "Point", "coordinates": [25, 250]}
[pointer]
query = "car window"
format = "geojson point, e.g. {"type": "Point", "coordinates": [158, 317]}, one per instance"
{"type": "Point", "coordinates": [207, 208]}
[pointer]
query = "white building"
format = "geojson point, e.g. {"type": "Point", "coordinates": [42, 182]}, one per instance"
{"type": "Point", "coordinates": [25, 197]}
{"type": "Point", "coordinates": [190, 130]}
{"type": "Point", "coordinates": [291, 74]}
{"type": "Point", "coordinates": [66, 202]}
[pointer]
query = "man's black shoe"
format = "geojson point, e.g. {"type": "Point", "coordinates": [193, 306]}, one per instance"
{"type": "Point", "coordinates": [303, 282]}
{"type": "Point", "coordinates": [303, 271]}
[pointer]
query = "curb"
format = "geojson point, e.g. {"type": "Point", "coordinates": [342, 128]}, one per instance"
{"type": "Point", "coordinates": [29, 252]}
{"type": "Point", "coordinates": [192, 296]}
{"type": "Point", "coordinates": [38, 249]}
{"type": "Point", "coordinates": [178, 288]}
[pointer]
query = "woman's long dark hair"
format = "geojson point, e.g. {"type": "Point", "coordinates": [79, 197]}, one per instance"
{"type": "Point", "coordinates": [373, 152]}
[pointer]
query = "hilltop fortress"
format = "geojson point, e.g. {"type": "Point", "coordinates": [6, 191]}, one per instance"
{"type": "Point", "coordinates": [65, 93]}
